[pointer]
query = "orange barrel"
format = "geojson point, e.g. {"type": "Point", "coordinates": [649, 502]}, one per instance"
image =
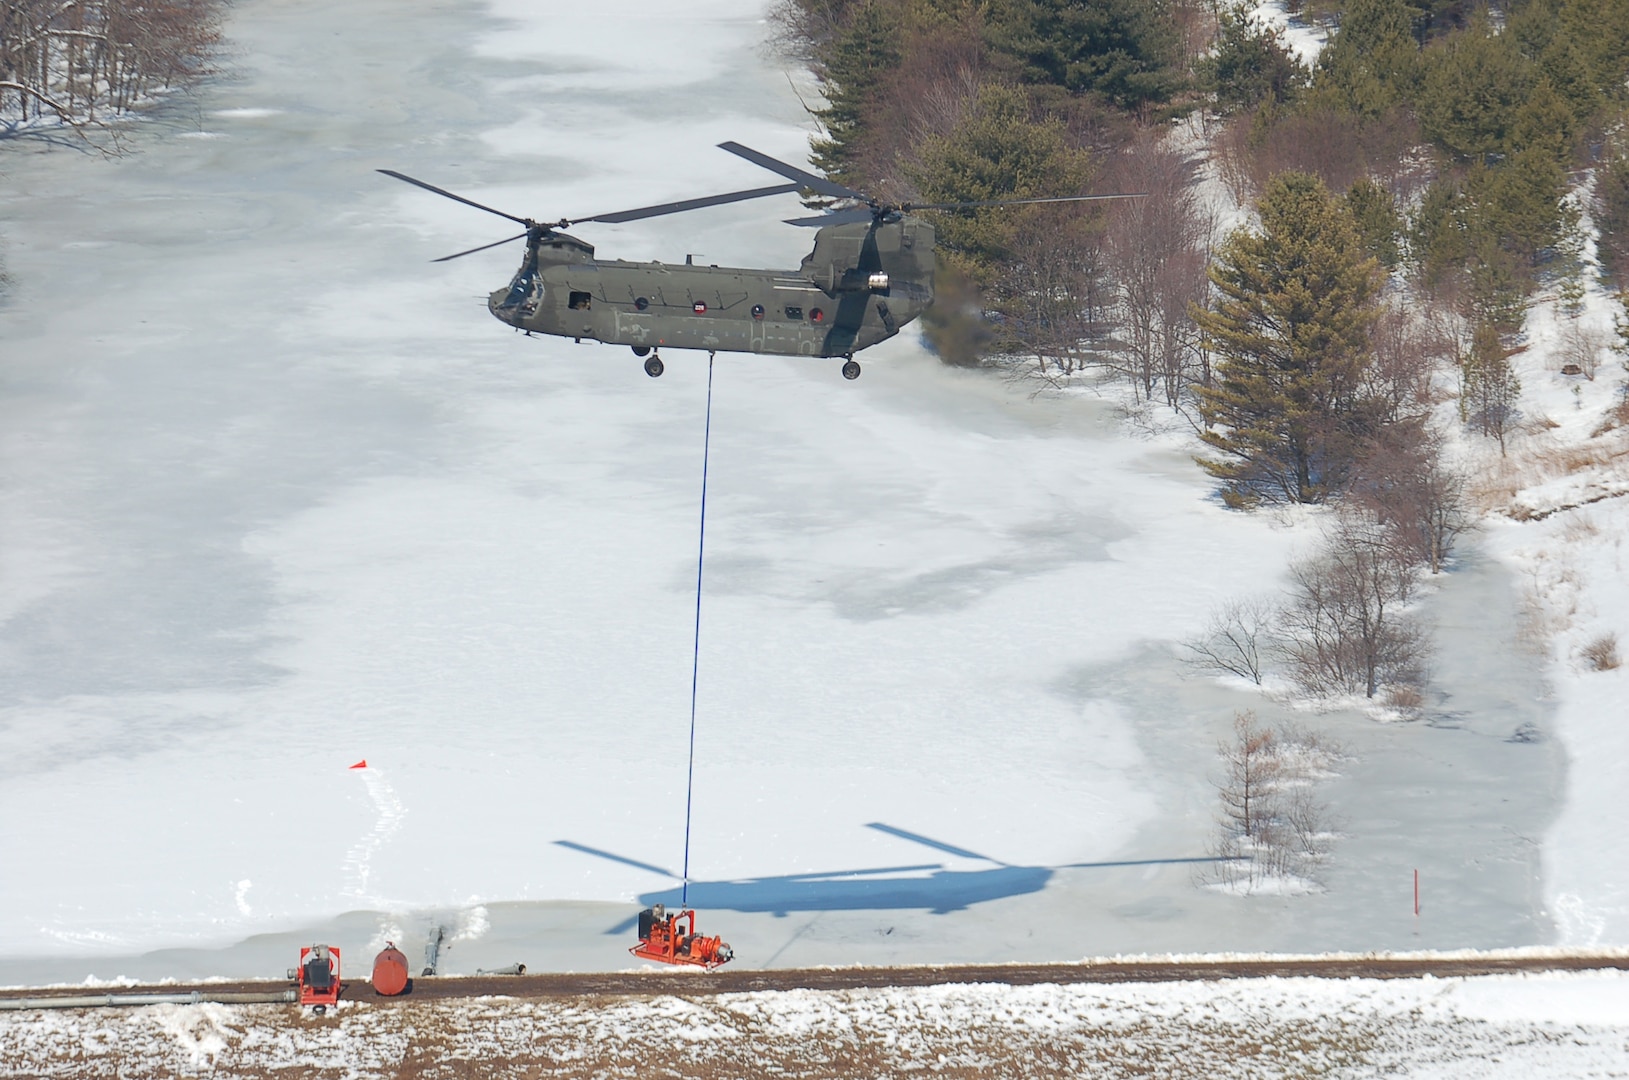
{"type": "Point", "coordinates": [389, 971]}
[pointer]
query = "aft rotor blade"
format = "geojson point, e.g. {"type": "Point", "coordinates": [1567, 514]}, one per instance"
{"type": "Point", "coordinates": [456, 198]}
{"type": "Point", "coordinates": [835, 217]}
{"type": "Point", "coordinates": [688, 204]}
{"type": "Point", "coordinates": [818, 184]}
{"type": "Point", "coordinates": [483, 247]}
{"type": "Point", "coordinates": [1016, 202]}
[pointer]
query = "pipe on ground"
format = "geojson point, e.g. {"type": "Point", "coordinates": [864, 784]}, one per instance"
{"type": "Point", "coordinates": [192, 997]}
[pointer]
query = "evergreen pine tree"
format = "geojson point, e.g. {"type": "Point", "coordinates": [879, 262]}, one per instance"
{"type": "Point", "coordinates": [851, 69]}
{"type": "Point", "coordinates": [998, 151]}
{"type": "Point", "coordinates": [1620, 323]}
{"type": "Point", "coordinates": [1473, 86]}
{"type": "Point", "coordinates": [1374, 211]}
{"type": "Point", "coordinates": [1372, 64]}
{"type": "Point", "coordinates": [1612, 216]}
{"type": "Point", "coordinates": [1488, 385]}
{"type": "Point", "coordinates": [1124, 50]}
{"type": "Point", "coordinates": [1251, 64]}
{"type": "Point", "coordinates": [1289, 328]}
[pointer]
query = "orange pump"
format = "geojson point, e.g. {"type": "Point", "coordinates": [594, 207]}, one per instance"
{"type": "Point", "coordinates": [672, 939]}
{"type": "Point", "coordinates": [318, 976]}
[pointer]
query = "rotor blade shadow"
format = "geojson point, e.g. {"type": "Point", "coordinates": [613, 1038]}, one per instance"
{"type": "Point", "coordinates": [623, 927]}
{"type": "Point", "coordinates": [1150, 862]}
{"type": "Point", "coordinates": [937, 845]}
{"type": "Point", "coordinates": [613, 857]}
{"type": "Point", "coordinates": [938, 893]}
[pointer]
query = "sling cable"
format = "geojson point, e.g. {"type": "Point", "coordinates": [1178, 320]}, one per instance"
{"type": "Point", "coordinates": [672, 938]}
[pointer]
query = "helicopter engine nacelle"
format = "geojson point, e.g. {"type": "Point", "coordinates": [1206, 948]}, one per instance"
{"type": "Point", "coordinates": [855, 280]}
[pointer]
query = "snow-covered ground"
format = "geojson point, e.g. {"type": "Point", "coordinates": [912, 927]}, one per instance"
{"type": "Point", "coordinates": [1559, 518]}
{"type": "Point", "coordinates": [278, 495]}
{"type": "Point", "coordinates": [1499, 1026]}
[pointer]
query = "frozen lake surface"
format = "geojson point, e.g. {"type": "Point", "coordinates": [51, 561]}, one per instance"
{"type": "Point", "coordinates": [279, 495]}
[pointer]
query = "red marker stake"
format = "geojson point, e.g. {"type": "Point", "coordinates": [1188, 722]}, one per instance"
{"type": "Point", "coordinates": [1416, 894]}
{"type": "Point", "coordinates": [364, 764]}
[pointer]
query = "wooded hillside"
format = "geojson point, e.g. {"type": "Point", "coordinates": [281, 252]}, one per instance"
{"type": "Point", "coordinates": [81, 62]}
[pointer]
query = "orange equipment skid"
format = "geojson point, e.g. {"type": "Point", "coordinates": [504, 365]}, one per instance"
{"type": "Point", "coordinates": [672, 939]}
{"type": "Point", "coordinates": [318, 976]}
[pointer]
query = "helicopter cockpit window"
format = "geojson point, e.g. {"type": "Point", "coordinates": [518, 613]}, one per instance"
{"type": "Point", "coordinates": [794, 314]}
{"type": "Point", "coordinates": [525, 290]}
{"type": "Point", "coordinates": [580, 301]}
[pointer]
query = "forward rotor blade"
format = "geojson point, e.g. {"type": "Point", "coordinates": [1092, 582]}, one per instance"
{"type": "Point", "coordinates": [483, 247]}
{"type": "Point", "coordinates": [835, 217]}
{"type": "Point", "coordinates": [456, 198]}
{"type": "Point", "coordinates": [908, 207]}
{"type": "Point", "coordinates": [808, 180]}
{"type": "Point", "coordinates": [688, 204]}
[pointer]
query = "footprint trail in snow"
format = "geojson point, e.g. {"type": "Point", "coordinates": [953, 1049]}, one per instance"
{"type": "Point", "coordinates": [359, 860]}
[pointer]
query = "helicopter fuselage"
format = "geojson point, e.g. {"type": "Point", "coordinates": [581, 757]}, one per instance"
{"type": "Point", "coordinates": [860, 285]}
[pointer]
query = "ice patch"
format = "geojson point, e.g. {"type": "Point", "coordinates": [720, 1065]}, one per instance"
{"type": "Point", "coordinates": [245, 114]}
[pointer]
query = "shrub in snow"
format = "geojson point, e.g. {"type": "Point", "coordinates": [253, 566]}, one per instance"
{"type": "Point", "coordinates": [1272, 830]}
{"type": "Point", "coordinates": [1602, 652]}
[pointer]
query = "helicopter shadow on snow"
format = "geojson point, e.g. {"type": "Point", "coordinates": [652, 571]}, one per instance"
{"type": "Point", "coordinates": [925, 886]}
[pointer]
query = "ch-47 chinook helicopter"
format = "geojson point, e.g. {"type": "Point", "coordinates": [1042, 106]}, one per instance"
{"type": "Point", "coordinates": [870, 273]}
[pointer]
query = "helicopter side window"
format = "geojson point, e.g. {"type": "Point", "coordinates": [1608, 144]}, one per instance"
{"type": "Point", "coordinates": [640, 304]}
{"type": "Point", "coordinates": [757, 311]}
{"type": "Point", "coordinates": [580, 301]}
{"type": "Point", "coordinates": [794, 314]}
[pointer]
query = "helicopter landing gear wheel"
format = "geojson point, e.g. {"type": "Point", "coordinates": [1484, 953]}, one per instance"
{"type": "Point", "coordinates": [653, 366]}
{"type": "Point", "coordinates": [851, 370]}
{"type": "Point", "coordinates": [640, 350]}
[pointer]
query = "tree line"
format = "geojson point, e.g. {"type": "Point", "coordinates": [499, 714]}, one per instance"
{"type": "Point", "coordinates": [83, 62]}
{"type": "Point", "coordinates": [1443, 135]}
{"type": "Point", "coordinates": [1412, 190]}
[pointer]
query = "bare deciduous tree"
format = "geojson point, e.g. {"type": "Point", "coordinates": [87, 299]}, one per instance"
{"type": "Point", "coordinates": [1344, 632]}
{"type": "Point", "coordinates": [1407, 347]}
{"type": "Point", "coordinates": [1271, 823]}
{"type": "Point", "coordinates": [1405, 487]}
{"type": "Point", "coordinates": [1156, 253]}
{"type": "Point", "coordinates": [1236, 639]}
{"type": "Point", "coordinates": [1328, 143]}
{"type": "Point", "coordinates": [1249, 789]}
{"type": "Point", "coordinates": [1052, 296]}
{"type": "Point", "coordinates": [1584, 346]}
{"type": "Point", "coordinates": [80, 62]}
